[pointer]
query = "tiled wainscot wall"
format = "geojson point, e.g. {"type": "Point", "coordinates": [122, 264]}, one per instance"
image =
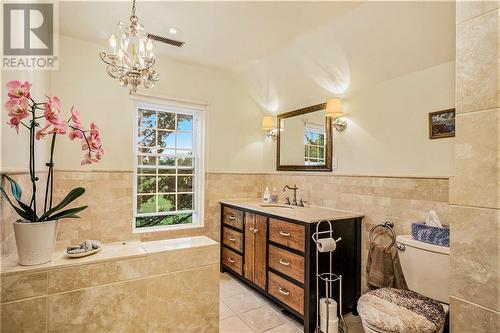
{"type": "Point", "coordinates": [109, 196]}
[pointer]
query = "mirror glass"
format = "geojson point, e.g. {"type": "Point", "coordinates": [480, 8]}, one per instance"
{"type": "Point", "coordinates": [304, 140]}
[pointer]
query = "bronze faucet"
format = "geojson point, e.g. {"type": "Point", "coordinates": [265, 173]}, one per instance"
{"type": "Point", "coordinates": [294, 189]}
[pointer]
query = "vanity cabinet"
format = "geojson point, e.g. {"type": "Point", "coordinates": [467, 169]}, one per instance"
{"type": "Point", "coordinates": [255, 249]}
{"type": "Point", "coordinates": [277, 256]}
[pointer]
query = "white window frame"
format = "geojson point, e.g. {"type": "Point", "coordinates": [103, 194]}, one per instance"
{"type": "Point", "coordinates": [318, 129]}
{"type": "Point", "coordinates": [198, 112]}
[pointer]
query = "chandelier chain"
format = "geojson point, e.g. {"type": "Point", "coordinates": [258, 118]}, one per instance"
{"type": "Point", "coordinates": [133, 17]}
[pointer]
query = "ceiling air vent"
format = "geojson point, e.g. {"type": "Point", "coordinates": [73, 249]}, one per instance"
{"type": "Point", "coordinates": [166, 40]}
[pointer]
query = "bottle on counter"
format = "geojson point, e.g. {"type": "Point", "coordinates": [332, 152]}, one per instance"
{"type": "Point", "coordinates": [267, 194]}
{"type": "Point", "coordinates": [274, 196]}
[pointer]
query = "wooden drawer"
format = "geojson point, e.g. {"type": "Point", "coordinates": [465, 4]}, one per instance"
{"type": "Point", "coordinates": [288, 234]}
{"type": "Point", "coordinates": [233, 217]}
{"type": "Point", "coordinates": [233, 239]}
{"type": "Point", "coordinates": [287, 263]}
{"type": "Point", "coordinates": [287, 292]}
{"type": "Point", "coordinates": [232, 260]}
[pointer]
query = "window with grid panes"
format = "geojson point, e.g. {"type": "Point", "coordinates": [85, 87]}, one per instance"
{"type": "Point", "coordinates": [168, 191]}
{"type": "Point", "coordinates": [314, 145]}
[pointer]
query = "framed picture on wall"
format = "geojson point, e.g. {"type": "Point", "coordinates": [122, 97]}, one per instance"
{"type": "Point", "coordinates": [442, 124]}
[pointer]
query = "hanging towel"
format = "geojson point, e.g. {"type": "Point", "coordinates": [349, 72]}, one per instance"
{"type": "Point", "coordinates": [379, 266]}
{"type": "Point", "coordinates": [383, 268]}
{"type": "Point", "coordinates": [399, 278]}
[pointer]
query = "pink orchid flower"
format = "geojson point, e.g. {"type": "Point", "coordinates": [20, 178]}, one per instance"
{"type": "Point", "coordinates": [18, 107]}
{"type": "Point", "coordinates": [14, 123]}
{"type": "Point", "coordinates": [94, 139]}
{"type": "Point", "coordinates": [99, 154]}
{"type": "Point", "coordinates": [75, 134]}
{"type": "Point", "coordinates": [61, 128]}
{"type": "Point", "coordinates": [75, 116]}
{"type": "Point", "coordinates": [16, 89]}
{"type": "Point", "coordinates": [87, 159]}
{"type": "Point", "coordinates": [52, 111]}
{"type": "Point", "coordinates": [42, 133]}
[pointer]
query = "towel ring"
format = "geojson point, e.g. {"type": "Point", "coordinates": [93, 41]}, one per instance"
{"type": "Point", "coordinates": [388, 225]}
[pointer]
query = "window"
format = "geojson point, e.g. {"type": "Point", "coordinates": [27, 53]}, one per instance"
{"type": "Point", "coordinates": [168, 182]}
{"type": "Point", "coordinates": [314, 144]}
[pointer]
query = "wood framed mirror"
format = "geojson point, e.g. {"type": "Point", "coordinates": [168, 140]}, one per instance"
{"type": "Point", "coordinates": [304, 141]}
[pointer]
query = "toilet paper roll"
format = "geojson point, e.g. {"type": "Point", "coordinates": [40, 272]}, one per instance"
{"type": "Point", "coordinates": [326, 245]}
{"type": "Point", "coordinates": [332, 308]}
{"type": "Point", "coordinates": [333, 326]}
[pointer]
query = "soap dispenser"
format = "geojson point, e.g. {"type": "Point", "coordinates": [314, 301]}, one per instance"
{"type": "Point", "coordinates": [274, 196]}
{"type": "Point", "coordinates": [267, 194]}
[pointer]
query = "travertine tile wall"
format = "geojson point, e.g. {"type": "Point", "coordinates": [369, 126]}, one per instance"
{"type": "Point", "coordinates": [109, 197]}
{"type": "Point", "coordinates": [401, 200]}
{"type": "Point", "coordinates": [475, 189]}
{"type": "Point", "coordinates": [7, 214]}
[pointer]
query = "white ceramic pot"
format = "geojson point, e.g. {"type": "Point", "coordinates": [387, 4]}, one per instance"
{"type": "Point", "coordinates": [35, 241]}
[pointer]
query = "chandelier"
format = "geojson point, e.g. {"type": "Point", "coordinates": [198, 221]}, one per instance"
{"type": "Point", "coordinates": [131, 58]}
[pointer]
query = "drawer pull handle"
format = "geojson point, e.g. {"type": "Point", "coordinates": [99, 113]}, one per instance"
{"type": "Point", "coordinates": [284, 291]}
{"type": "Point", "coordinates": [283, 233]}
{"type": "Point", "coordinates": [231, 239]}
{"type": "Point", "coordinates": [255, 230]}
{"type": "Point", "coordinates": [232, 217]}
{"type": "Point", "coordinates": [231, 260]}
{"type": "Point", "coordinates": [284, 262]}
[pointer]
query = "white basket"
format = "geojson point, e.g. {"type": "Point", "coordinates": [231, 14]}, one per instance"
{"type": "Point", "coordinates": [35, 241]}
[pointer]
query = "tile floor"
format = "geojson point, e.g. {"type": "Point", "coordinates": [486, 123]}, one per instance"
{"type": "Point", "coordinates": [244, 310]}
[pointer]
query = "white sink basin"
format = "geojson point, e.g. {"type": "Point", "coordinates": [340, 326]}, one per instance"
{"type": "Point", "coordinates": [277, 206]}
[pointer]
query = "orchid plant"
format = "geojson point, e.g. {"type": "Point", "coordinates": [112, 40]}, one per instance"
{"type": "Point", "coordinates": [24, 111]}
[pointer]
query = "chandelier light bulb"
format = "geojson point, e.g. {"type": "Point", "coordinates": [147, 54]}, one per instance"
{"type": "Point", "coordinates": [149, 45]}
{"type": "Point", "coordinates": [112, 43]}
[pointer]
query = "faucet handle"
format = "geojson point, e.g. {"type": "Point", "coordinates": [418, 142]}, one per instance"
{"type": "Point", "coordinates": [302, 202]}
{"type": "Point", "coordinates": [287, 201]}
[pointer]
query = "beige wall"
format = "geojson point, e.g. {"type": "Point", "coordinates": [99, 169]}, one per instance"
{"type": "Point", "coordinates": [234, 139]}
{"type": "Point", "coordinates": [474, 191]}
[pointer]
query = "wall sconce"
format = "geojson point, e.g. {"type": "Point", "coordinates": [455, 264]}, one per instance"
{"type": "Point", "coordinates": [334, 110]}
{"type": "Point", "coordinates": [269, 126]}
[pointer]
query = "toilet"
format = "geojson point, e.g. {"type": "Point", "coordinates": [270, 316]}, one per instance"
{"type": "Point", "coordinates": [423, 308]}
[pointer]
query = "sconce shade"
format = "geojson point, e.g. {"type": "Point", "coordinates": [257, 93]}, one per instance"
{"type": "Point", "coordinates": [268, 123]}
{"type": "Point", "coordinates": [334, 108]}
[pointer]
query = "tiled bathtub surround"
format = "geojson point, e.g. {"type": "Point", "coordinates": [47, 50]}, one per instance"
{"type": "Point", "coordinates": [475, 188]}
{"type": "Point", "coordinates": [119, 289]}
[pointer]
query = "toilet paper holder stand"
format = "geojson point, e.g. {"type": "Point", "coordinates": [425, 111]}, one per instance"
{"type": "Point", "coordinates": [328, 278]}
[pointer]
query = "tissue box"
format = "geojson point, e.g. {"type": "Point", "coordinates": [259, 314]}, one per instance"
{"type": "Point", "coordinates": [432, 235]}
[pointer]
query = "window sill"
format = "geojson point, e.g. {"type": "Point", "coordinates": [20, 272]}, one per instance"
{"type": "Point", "coordinates": [167, 228]}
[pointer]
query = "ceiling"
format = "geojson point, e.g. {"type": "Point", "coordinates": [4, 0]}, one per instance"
{"type": "Point", "coordinates": [222, 34]}
{"type": "Point", "coordinates": [297, 51]}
